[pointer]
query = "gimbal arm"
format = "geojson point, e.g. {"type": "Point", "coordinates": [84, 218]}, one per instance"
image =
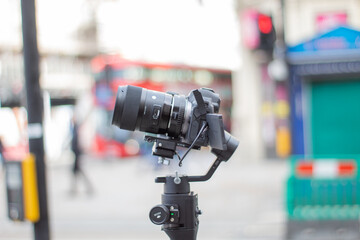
{"type": "Point", "coordinates": [222, 155]}
{"type": "Point", "coordinates": [209, 173]}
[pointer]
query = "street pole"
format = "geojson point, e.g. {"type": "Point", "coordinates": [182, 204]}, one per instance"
{"type": "Point", "coordinates": [35, 111]}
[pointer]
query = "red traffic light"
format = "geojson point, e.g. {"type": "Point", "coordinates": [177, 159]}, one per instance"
{"type": "Point", "coordinates": [265, 24]}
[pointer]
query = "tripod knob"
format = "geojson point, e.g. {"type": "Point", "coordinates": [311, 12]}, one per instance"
{"type": "Point", "coordinates": [159, 214]}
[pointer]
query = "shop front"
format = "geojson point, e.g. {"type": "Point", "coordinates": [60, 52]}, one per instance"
{"type": "Point", "coordinates": [325, 94]}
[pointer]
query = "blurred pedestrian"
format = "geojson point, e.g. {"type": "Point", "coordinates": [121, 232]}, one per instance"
{"type": "Point", "coordinates": [77, 171]}
{"type": "Point", "coordinates": [2, 159]}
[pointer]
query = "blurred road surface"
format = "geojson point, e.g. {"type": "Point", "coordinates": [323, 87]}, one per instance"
{"type": "Point", "coordinates": [243, 200]}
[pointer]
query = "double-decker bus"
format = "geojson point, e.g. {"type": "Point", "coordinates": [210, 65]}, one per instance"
{"type": "Point", "coordinates": [111, 71]}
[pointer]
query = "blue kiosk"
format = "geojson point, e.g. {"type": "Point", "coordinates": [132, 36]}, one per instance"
{"type": "Point", "coordinates": [325, 93]}
{"type": "Point", "coordinates": [323, 190]}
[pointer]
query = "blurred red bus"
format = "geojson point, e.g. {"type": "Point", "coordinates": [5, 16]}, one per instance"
{"type": "Point", "coordinates": [111, 71]}
{"type": "Point", "coordinates": [13, 133]}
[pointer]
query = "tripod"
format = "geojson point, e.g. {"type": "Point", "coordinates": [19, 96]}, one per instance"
{"type": "Point", "coordinates": [178, 213]}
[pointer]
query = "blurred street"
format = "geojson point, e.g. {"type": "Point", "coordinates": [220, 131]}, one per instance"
{"type": "Point", "coordinates": [82, 89]}
{"type": "Point", "coordinates": [243, 200]}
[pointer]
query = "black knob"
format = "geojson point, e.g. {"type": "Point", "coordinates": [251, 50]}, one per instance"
{"type": "Point", "coordinates": [159, 214]}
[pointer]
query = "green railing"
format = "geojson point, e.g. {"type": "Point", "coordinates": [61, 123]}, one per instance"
{"type": "Point", "coordinates": [323, 188]}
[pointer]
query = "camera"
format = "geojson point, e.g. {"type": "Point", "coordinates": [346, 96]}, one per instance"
{"type": "Point", "coordinates": [172, 120]}
{"type": "Point", "coordinates": [189, 121]}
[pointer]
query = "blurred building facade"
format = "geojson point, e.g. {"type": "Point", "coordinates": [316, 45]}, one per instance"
{"type": "Point", "coordinates": [72, 33]}
{"type": "Point", "coordinates": [266, 110]}
{"type": "Point", "coordinates": [66, 46]}
{"type": "Point", "coordinates": [261, 114]}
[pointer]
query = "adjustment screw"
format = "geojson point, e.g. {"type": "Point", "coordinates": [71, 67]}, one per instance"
{"type": "Point", "coordinates": [177, 180]}
{"type": "Point", "coordinates": [172, 219]}
{"type": "Point", "coordinates": [162, 160]}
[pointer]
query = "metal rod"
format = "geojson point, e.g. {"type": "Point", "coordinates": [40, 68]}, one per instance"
{"type": "Point", "coordinates": [35, 111]}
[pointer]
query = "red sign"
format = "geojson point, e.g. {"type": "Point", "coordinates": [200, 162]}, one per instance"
{"type": "Point", "coordinates": [250, 32]}
{"type": "Point", "coordinates": [327, 21]}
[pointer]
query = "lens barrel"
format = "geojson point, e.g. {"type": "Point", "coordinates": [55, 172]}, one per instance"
{"type": "Point", "coordinates": [148, 111]}
{"type": "Point", "coordinates": [127, 105]}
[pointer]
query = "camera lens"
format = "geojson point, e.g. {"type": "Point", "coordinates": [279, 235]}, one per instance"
{"type": "Point", "coordinates": [149, 111]}
{"type": "Point", "coordinates": [127, 104]}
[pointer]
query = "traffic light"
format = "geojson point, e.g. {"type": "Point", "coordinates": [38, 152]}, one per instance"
{"type": "Point", "coordinates": [258, 31]}
{"type": "Point", "coordinates": [266, 30]}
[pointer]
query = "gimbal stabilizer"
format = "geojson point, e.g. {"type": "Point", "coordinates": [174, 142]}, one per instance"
{"type": "Point", "coordinates": [191, 122]}
{"type": "Point", "coordinates": [178, 213]}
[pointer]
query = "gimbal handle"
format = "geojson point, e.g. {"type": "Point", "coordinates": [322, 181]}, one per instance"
{"type": "Point", "coordinates": [178, 213]}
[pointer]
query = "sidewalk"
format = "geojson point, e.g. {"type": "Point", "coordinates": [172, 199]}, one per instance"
{"type": "Point", "coordinates": [241, 201]}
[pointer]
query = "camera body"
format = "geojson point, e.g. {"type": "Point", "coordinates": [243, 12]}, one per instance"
{"type": "Point", "coordinates": [199, 110]}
